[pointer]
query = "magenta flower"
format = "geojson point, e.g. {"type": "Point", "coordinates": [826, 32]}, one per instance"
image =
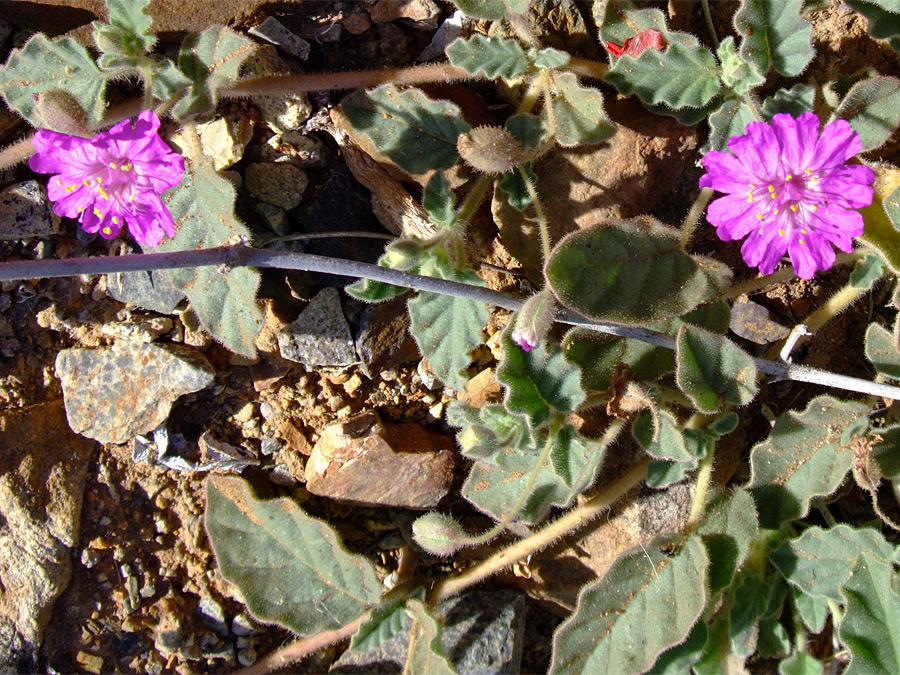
{"type": "Point", "coordinates": [525, 338]}
{"type": "Point", "coordinates": [114, 178]}
{"type": "Point", "coordinates": [790, 190]}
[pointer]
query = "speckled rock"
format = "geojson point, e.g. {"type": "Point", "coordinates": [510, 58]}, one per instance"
{"type": "Point", "coordinates": [43, 467]}
{"type": "Point", "coordinates": [282, 113]}
{"type": "Point", "coordinates": [364, 461]}
{"type": "Point", "coordinates": [483, 634]}
{"type": "Point", "coordinates": [384, 340]}
{"type": "Point", "coordinates": [25, 212]}
{"type": "Point", "coordinates": [320, 336]}
{"type": "Point", "coordinates": [273, 31]}
{"type": "Point", "coordinates": [114, 393]}
{"type": "Point", "coordinates": [423, 12]}
{"type": "Point", "coordinates": [279, 184]}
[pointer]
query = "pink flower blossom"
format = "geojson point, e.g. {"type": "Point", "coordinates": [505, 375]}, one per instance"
{"type": "Point", "coordinates": [525, 338]}
{"type": "Point", "coordinates": [790, 190]}
{"type": "Point", "coordinates": [633, 46]}
{"type": "Point", "coordinates": [114, 178]}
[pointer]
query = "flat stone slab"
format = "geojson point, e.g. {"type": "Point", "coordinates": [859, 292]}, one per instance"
{"type": "Point", "coordinates": [321, 335]}
{"type": "Point", "coordinates": [114, 393]}
{"type": "Point", "coordinates": [365, 461]}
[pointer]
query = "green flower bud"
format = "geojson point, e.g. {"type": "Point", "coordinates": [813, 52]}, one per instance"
{"type": "Point", "coordinates": [59, 111]}
{"type": "Point", "coordinates": [490, 150]}
{"type": "Point", "coordinates": [438, 534]}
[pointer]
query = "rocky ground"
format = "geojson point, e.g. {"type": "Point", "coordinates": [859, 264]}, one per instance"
{"type": "Point", "coordinates": [104, 559]}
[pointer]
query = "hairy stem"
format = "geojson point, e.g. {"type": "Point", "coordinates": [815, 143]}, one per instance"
{"type": "Point", "coordinates": [550, 534]}
{"type": "Point", "coordinates": [539, 212]}
{"type": "Point", "coordinates": [836, 304]}
{"type": "Point", "coordinates": [754, 109]}
{"type": "Point", "coordinates": [707, 16]}
{"type": "Point", "coordinates": [759, 283]}
{"type": "Point", "coordinates": [693, 217]}
{"type": "Point", "coordinates": [704, 476]}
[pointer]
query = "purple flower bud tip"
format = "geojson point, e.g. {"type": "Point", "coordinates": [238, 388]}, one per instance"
{"type": "Point", "coordinates": [112, 179]}
{"type": "Point", "coordinates": [525, 339]}
{"type": "Point", "coordinates": [789, 189]}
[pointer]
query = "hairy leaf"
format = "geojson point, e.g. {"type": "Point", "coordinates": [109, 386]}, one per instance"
{"type": "Point", "coordinates": [881, 352]}
{"type": "Point", "coordinates": [883, 17]}
{"type": "Point", "coordinates": [488, 432]}
{"type": "Point", "coordinates": [803, 457]}
{"type": "Point", "coordinates": [548, 57]}
{"type": "Point", "coordinates": [412, 130]}
{"type": "Point", "coordinates": [867, 271]}
{"type": "Point", "coordinates": [538, 382]}
{"type": "Point", "coordinates": [872, 107]}
{"type": "Point", "coordinates": [680, 77]}
{"type": "Point", "coordinates": [646, 603]}
{"type": "Point", "coordinates": [447, 329]}
{"type": "Point", "coordinates": [166, 81]}
{"type": "Point", "coordinates": [712, 370]}
{"type": "Point", "coordinates": [202, 206]}
{"type": "Point", "coordinates": [43, 64]}
{"type": "Point", "coordinates": [578, 112]}
{"type": "Point", "coordinates": [513, 185]}
{"type": "Point", "coordinates": [740, 75]}
{"type": "Point", "coordinates": [491, 56]}
{"type": "Point", "coordinates": [820, 561]}
{"type": "Point", "coordinates": [290, 568]}
{"type": "Point", "coordinates": [571, 466]}
{"type": "Point", "coordinates": [211, 59]}
{"type": "Point", "coordinates": [680, 658]}
{"type": "Point", "coordinates": [126, 36]}
{"type": "Point", "coordinates": [728, 529]}
{"type": "Point", "coordinates": [405, 254]}
{"type": "Point", "coordinates": [631, 272]}
{"type": "Point", "coordinates": [801, 663]}
{"type": "Point", "coordinates": [775, 35]}
{"type": "Point", "coordinates": [426, 654]}
{"type": "Point", "coordinates": [813, 610]}
{"type": "Point", "coordinates": [869, 626]}
{"type": "Point", "coordinates": [438, 200]}
{"type": "Point", "coordinates": [748, 606]}
{"type": "Point", "coordinates": [382, 624]}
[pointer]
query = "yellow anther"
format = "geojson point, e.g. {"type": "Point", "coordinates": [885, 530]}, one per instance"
{"type": "Point", "coordinates": [774, 211]}
{"type": "Point", "coordinates": [793, 207]}
{"type": "Point", "coordinates": [106, 230]}
{"type": "Point", "coordinates": [788, 177]}
{"type": "Point", "coordinates": [71, 188]}
{"type": "Point", "coordinates": [112, 165]}
{"type": "Point", "coordinates": [780, 233]}
{"type": "Point", "coordinates": [99, 179]}
{"type": "Point", "coordinates": [759, 216]}
{"type": "Point", "coordinates": [103, 194]}
{"type": "Point", "coordinates": [807, 171]}
{"type": "Point", "coordinates": [814, 207]}
{"type": "Point", "coordinates": [98, 212]}
{"type": "Point", "coordinates": [803, 232]}
{"type": "Point", "coordinates": [771, 188]}
{"type": "Point", "coordinates": [58, 181]}
{"type": "Point", "coordinates": [115, 220]}
{"type": "Point", "coordinates": [126, 167]}
{"type": "Point", "coordinates": [749, 196]}
{"type": "Point", "coordinates": [752, 186]}
{"type": "Point", "coordinates": [801, 241]}
{"type": "Point", "coordinates": [87, 182]}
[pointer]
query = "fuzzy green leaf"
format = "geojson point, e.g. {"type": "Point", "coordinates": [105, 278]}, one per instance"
{"type": "Point", "coordinates": [881, 352]}
{"type": "Point", "coordinates": [869, 626]}
{"type": "Point", "coordinates": [631, 271]}
{"type": "Point", "coordinates": [291, 569]}
{"type": "Point", "coordinates": [662, 437]}
{"type": "Point", "coordinates": [405, 254]}
{"type": "Point", "coordinates": [211, 59]}
{"type": "Point", "coordinates": [126, 37]}
{"type": "Point", "coordinates": [44, 64]}
{"type": "Point", "coordinates": [426, 653]}
{"type": "Point", "coordinates": [382, 624]}
{"type": "Point", "coordinates": [513, 185]}
{"type": "Point", "coordinates": [417, 133]}
{"type": "Point", "coordinates": [803, 457]}
{"type": "Point", "coordinates": [813, 610]}
{"type": "Point", "coordinates": [492, 57]}
{"type": "Point", "coordinates": [571, 466]}
{"type": "Point", "coordinates": [728, 529]}
{"type": "Point", "coordinates": [740, 75]}
{"type": "Point", "coordinates": [202, 206]}
{"type": "Point", "coordinates": [680, 77]}
{"type": "Point", "coordinates": [578, 112]}
{"type": "Point", "coordinates": [867, 271]}
{"type": "Point", "coordinates": [680, 658]}
{"type": "Point", "coordinates": [166, 81]}
{"type": "Point", "coordinates": [598, 354]}
{"type": "Point", "coordinates": [638, 609]}
{"type": "Point", "coordinates": [447, 328]}
{"type": "Point", "coordinates": [773, 639]}
{"type": "Point", "coordinates": [528, 130]}
{"type": "Point", "coordinates": [712, 370]}
{"type": "Point", "coordinates": [549, 58]}
{"type": "Point", "coordinates": [797, 100]}
{"type": "Point", "coordinates": [438, 200]}
{"type": "Point", "coordinates": [872, 107]}
{"type": "Point", "coordinates": [538, 382]}
{"type": "Point", "coordinates": [748, 606]}
{"type": "Point", "coordinates": [488, 432]}
{"type": "Point", "coordinates": [820, 561]}
{"type": "Point", "coordinates": [729, 120]}
{"type": "Point", "coordinates": [775, 35]}
{"type": "Point", "coordinates": [801, 663]}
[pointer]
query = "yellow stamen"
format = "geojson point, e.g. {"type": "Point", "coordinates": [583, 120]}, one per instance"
{"type": "Point", "coordinates": [752, 186]}
{"type": "Point", "coordinates": [115, 220]}
{"type": "Point", "coordinates": [87, 182]}
{"type": "Point", "coordinates": [102, 193]}
{"type": "Point", "coordinates": [99, 180]}
{"type": "Point", "coordinates": [71, 188]}
{"type": "Point", "coordinates": [808, 171]}
{"type": "Point", "coordinates": [793, 207]}
{"type": "Point", "coordinates": [106, 230]}
{"type": "Point", "coordinates": [58, 181]}
{"type": "Point", "coordinates": [803, 232]}
{"type": "Point", "coordinates": [112, 165]}
{"type": "Point", "coordinates": [759, 216]}
{"type": "Point", "coordinates": [814, 207]}
{"type": "Point", "coordinates": [749, 196]}
{"type": "Point", "coordinates": [126, 167]}
{"type": "Point", "coordinates": [780, 233]}
{"type": "Point", "coordinates": [98, 212]}
{"type": "Point", "coordinates": [788, 177]}
{"type": "Point", "coordinates": [801, 241]}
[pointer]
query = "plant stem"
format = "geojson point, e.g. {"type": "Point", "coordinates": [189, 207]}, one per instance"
{"type": "Point", "coordinates": [693, 217]}
{"type": "Point", "coordinates": [539, 212]}
{"type": "Point", "coordinates": [704, 476]}
{"type": "Point", "coordinates": [594, 70]}
{"type": "Point", "coordinates": [520, 502]}
{"type": "Point", "coordinates": [550, 534]}
{"type": "Point", "coordinates": [836, 304]}
{"type": "Point", "coordinates": [713, 38]}
{"type": "Point", "coordinates": [473, 199]}
{"type": "Point", "coordinates": [753, 107]}
{"type": "Point", "coordinates": [297, 650]}
{"type": "Point", "coordinates": [243, 256]}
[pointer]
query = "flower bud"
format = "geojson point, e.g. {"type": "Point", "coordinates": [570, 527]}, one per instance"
{"type": "Point", "coordinates": [490, 150]}
{"type": "Point", "coordinates": [534, 320]}
{"type": "Point", "coordinates": [59, 111]}
{"type": "Point", "coordinates": [438, 534]}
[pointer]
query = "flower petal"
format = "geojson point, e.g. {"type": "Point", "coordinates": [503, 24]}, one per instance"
{"type": "Point", "coordinates": [726, 173]}
{"type": "Point", "coordinates": [734, 217]}
{"type": "Point", "coordinates": [797, 139]}
{"type": "Point", "coordinates": [838, 143]}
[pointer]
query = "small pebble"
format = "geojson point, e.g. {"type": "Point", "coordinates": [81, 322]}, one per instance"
{"type": "Point", "coordinates": [247, 657]}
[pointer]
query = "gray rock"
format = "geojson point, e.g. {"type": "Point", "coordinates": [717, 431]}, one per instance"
{"type": "Point", "coordinates": [273, 31]}
{"type": "Point", "coordinates": [320, 336]}
{"type": "Point", "coordinates": [115, 393]}
{"type": "Point", "coordinates": [281, 185]}
{"type": "Point", "coordinates": [151, 290]}
{"type": "Point", "coordinates": [43, 468]}
{"type": "Point", "coordinates": [384, 340]}
{"type": "Point", "coordinates": [754, 322]}
{"type": "Point", "coordinates": [212, 615]}
{"type": "Point", "coordinates": [25, 212]}
{"type": "Point", "coordinates": [482, 635]}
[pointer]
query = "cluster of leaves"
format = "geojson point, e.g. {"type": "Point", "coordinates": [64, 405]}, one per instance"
{"type": "Point", "coordinates": [748, 576]}
{"type": "Point", "coordinates": [203, 203]}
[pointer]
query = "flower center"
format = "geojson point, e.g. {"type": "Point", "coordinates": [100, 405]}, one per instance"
{"type": "Point", "coordinates": [788, 201]}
